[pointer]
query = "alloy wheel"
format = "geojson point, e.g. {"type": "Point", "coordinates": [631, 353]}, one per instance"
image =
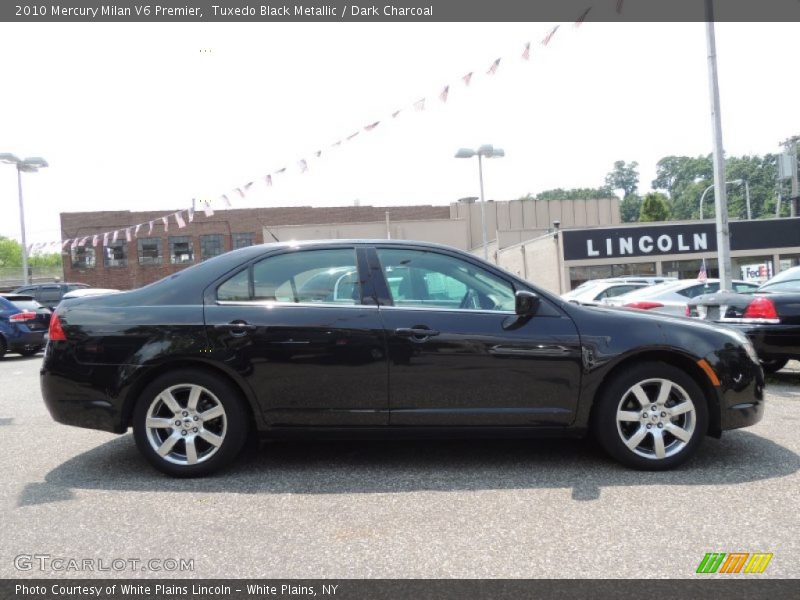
{"type": "Point", "coordinates": [186, 424]}
{"type": "Point", "coordinates": [656, 418]}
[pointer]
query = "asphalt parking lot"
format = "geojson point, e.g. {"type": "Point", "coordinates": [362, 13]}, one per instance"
{"type": "Point", "coordinates": [470, 509]}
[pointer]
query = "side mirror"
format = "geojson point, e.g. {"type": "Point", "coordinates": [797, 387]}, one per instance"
{"type": "Point", "coordinates": [526, 303]}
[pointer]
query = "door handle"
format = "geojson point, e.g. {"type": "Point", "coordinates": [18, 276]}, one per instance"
{"type": "Point", "coordinates": [415, 332]}
{"type": "Point", "coordinates": [237, 328]}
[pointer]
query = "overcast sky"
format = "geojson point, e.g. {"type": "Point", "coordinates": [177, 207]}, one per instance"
{"type": "Point", "coordinates": [136, 116]}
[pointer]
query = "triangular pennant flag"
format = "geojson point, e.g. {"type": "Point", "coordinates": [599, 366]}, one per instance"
{"type": "Point", "coordinates": [207, 210]}
{"type": "Point", "coordinates": [493, 69]}
{"type": "Point", "coordinates": [82, 243]}
{"type": "Point", "coordinates": [550, 35]}
{"type": "Point", "coordinates": [352, 135]}
{"type": "Point", "coordinates": [150, 230]}
{"type": "Point", "coordinates": [443, 95]}
{"type": "Point", "coordinates": [114, 238]}
{"type": "Point", "coordinates": [280, 171]}
{"type": "Point", "coordinates": [74, 243]}
{"type": "Point", "coordinates": [64, 244]}
{"type": "Point", "coordinates": [179, 220]}
{"type": "Point", "coordinates": [226, 200]}
{"type": "Point", "coordinates": [371, 126]}
{"type": "Point", "coordinates": [105, 239]}
{"type": "Point", "coordinates": [467, 78]}
{"type": "Point", "coordinates": [526, 53]}
{"type": "Point", "coordinates": [190, 212]}
{"type": "Point", "coordinates": [136, 231]}
{"type": "Point", "coordinates": [318, 153]}
{"type": "Point", "coordinates": [397, 112]}
{"type": "Point", "coordinates": [248, 185]}
{"type": "Point", "coordinates": [303, 165]}
{"type": "Point", "coordinates": [165, 221]}
{"type": "Point", "coordinates": [339, 143]}
{"type": "Point", "coordinates": [419, 104]}
{"type": "Point", "coordinates": [240, 191]}
{"type": "Point", "coordinates": [128, 237]}
{"type": "Point", "coordinates": [268, 179]}
{"type": "Point", "coordinates": [582, 18]}
{"type": "Point", "coordinates": [95, 239]}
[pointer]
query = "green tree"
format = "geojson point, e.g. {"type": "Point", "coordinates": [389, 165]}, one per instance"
{"type": "Point", "coordinates": [10, 253]}
{"type": "Point", "coordinates": [655, 207]}
{"type": "Point", "coordinates": [630, 207]}
{"type": "Point", "coordinates": [624, 177]}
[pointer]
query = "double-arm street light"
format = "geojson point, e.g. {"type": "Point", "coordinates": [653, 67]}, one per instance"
{"type": "Point", "coordinates": [485, 151]}
{"type": "Point", "coordinates": [29, 165]}
{"type": "Point", "coordinates": [733, 182]}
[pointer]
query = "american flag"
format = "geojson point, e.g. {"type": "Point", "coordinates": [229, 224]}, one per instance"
{"type": "Point", "coordinates": [467, 78]}
{"type": "Point", "coordinates": [582, 18]}
{"type": "Point", "coordinates": [702, 275]}
{"type": "Point", "coordinates": [443, 95]}
{"type": "Point", "coordinates": [526, 53]}
{"type": "Point", "coordinates": [550, 35]}
{"type": "Point", "coordinates": [493, 69]}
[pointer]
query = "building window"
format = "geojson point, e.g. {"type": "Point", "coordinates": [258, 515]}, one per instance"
{"type": "Point", "coordinates": [243, 240]}
{"type": "Point", "coordinates": [690, 269]}
{"type": "Point", "coordinates": [579, 275]}
{"type": "Point", "coordinates": [116, 254]}
{"type": "Point", "coordinates": [149, 251]}
{"type": "Point", "coordinates": [180, 250]}
{"type": "Point", "coordinates": [211, 246]}
{"type": "Point", "coordinates": [83, 257]}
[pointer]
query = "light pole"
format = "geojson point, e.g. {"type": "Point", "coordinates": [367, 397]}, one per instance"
{"type": "Point", "coordinates": [734, 182]}
{"type": "Point", "coordinates": [485, 151]}
{"type": "Point", "coordinates": [29, 165]}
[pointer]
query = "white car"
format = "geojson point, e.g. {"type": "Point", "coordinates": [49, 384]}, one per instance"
{"type": "Point", "coordinates": [593, 292]}
{"type": "Point", "coordinates": [672, 297]}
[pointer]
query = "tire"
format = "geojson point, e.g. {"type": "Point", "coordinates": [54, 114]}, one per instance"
{"type": "Point", "coordinates": [3, 347]}
{"type": "Point", "coordinates": [632, 439]}
{"type": "Point", "coordinates": [30, 351]}
{"type": "Point", "coordinates": [773, 365]}
{"type": "Point", "coordinates": [216, 428]}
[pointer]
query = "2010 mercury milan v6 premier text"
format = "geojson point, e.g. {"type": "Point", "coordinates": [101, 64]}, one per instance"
{"type": "Point", "coordinates": [391, 338]}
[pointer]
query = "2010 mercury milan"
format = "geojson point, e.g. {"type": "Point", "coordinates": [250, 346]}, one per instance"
{"type": "Point", "coordinates": [394, 338]}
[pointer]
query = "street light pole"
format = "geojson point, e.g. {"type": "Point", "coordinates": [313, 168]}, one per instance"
{"type": "Point", "coordinates": [485, 151]}
{"type": "Point", "coordinates": [29, 165]}
{"type": "Point", "coordinates": [735, 181]}
{"type": "Point", "coordinates": [25, 277]}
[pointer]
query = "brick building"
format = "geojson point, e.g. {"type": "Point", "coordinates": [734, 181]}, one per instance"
{"type": "Point", "coordinates": [151, 256]}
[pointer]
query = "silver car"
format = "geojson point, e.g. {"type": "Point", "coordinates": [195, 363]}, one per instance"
{"type": "Point", "coordinates": [593, 292]}
{"type": "Point", "coordinates": [671, 297]}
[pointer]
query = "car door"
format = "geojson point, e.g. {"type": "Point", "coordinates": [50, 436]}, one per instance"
{"type": "Point", "coordinates": [458, 353]}
{"type": "Point", "coordinates": [302, 327]}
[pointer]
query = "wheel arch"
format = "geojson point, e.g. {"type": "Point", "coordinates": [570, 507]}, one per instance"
{"type": "Point", "coordinates": [137, 387]}
{"type": "Point", "coordinates": [678, 359]}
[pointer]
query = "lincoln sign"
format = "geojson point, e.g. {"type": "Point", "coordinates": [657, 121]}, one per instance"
{"type": "Point", "coordinates": [652, 240]}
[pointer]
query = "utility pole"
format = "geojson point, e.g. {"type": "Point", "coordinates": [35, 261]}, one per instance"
{"type": "Point", "coordinates": [720, 189]}
{"type": "Point", "coordinates": [791, 149]}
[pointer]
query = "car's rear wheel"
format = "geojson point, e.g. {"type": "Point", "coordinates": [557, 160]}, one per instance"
{"type": "Point", "coordinates": [651, 416]}
{"type": "Point", "coordinates": [773, 365]}
{"type": "Point", "coordinates": [189, 423]}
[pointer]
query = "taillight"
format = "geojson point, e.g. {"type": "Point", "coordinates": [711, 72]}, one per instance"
{"type": "Point", "coordinates": [56, 332]}
{"type": "Point", "coordinates": [688, 311]}
{"type": "Point", "coordinates": [22, 317]}
{"type": "Point", "coordinates": [760, 308]}
{"type": "Point", "coordinates": [643, 305]}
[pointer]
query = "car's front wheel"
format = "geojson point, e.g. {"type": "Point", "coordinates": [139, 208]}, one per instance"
{"type": "Point", "coordinates": [773, 365]}
{"type": "Point", "coordinates": [651, 416]}
{"type": "Point", "coordinates": [188, 423]}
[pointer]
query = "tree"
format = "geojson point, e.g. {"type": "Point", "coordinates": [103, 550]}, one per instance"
{"type": "Point", "coordinates": [10, 253]}
{"type": "Point", "coordinates": [655, 207]}
{"type": "Point", "coordinates": [630, 207]}
{"type": "Point", "coordinates": [624, 177]}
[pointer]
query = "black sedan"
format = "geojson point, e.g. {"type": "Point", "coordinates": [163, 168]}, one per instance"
{"type": "Point", "coordinates": [406, 339]}
{"type": "Point", "coordinates": [770, 317]}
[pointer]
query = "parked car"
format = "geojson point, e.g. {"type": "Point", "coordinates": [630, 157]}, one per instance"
{"type": "Point", "coordinates": [770, 317]}
{"type": "Point", "coordinates": [49, 294]}
{"type": "Point", "coordinates": [430, 341]}
{"type": "Point", "coordinates": [671, 297]}
{"type": "Point", "coordinates": [23, 324]}
{"type": "Point", "coordinates": [599, 289]}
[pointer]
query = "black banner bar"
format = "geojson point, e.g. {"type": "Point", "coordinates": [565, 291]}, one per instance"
{"type": "Point", "coordinates": [734, 587]}
{"type": "Point", "coordinates": [555, 11]}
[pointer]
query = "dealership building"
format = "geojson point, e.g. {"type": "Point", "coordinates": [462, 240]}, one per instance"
{"type": "Point", "coordinates": [556, 244]}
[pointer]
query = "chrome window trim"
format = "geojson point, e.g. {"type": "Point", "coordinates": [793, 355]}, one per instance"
{"type": "Point", "coordinates": [470, 311]}
{"type": "Point", "coordinates": [281, 304]}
